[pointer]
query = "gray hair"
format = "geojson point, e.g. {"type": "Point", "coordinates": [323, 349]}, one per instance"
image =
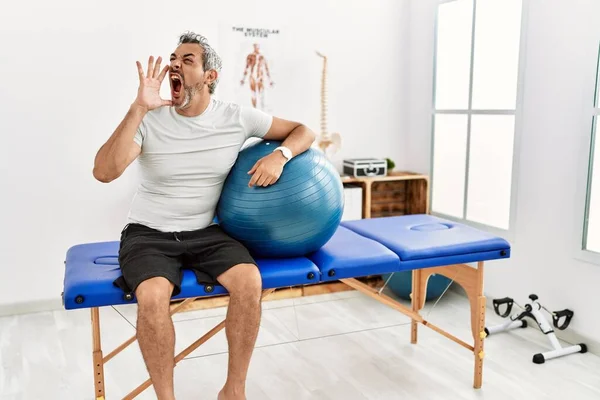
{"type": "Point", "coordinates": [210, 58]}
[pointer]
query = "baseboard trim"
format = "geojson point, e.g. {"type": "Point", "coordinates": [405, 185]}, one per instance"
{"type": "Point", "coordinates": [28, 307]}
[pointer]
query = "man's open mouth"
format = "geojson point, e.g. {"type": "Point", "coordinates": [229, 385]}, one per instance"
{"type": "Point", "coordinates": [176, 84]}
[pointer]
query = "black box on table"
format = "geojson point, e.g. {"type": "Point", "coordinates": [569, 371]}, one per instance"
{"type": "Point", "coordinates": [365, 167]}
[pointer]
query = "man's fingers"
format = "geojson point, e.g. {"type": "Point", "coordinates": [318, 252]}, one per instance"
{"type": "Point", "coordinates": [253, 169]}
{"type": "Point", "coordinates": [262, 180]}
{"type": "Point", "coordinates": [157, 67]}
{"type": "Point", "coordinates": [167, 102]}
{"type": "Point", "coordinates": [254, 179]}
{"type": "Point", "coordinates": [150, 67]}
{"type": "Point", "coordinates": [163, 73]}
{"type": "Point", "coordinates": [140, 70]}
{"type": "Point", "coordinates": [267, 182]}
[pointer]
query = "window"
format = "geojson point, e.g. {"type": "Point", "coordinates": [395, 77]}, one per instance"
{"type": "Point", "coordinates": [475, 105]}
{"type": "Point", "coordinates": [591, 236]}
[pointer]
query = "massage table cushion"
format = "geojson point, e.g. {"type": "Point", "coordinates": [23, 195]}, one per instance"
{"type": "Point", "coordinates": [358, 248]}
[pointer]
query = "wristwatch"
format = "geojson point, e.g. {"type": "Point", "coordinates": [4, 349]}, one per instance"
{"type": "Point", "coordinates": [287, 153]}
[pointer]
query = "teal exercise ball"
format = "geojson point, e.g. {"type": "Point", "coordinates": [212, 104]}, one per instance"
{"type": "Point", "coordinates": [400, 284]}
{"type": "Point", "coordinates": [294, 216]}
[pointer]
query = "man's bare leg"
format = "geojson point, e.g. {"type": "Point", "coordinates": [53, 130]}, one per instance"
{"type": "Point", "coordinates": [244, 284]}
{"type": "Point", "coordinates": [156, 334]}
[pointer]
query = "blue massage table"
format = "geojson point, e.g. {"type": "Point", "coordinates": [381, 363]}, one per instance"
{"type": "Point", "coordinates": [421, 243]}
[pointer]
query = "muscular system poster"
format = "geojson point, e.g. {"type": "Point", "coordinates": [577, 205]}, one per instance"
{"type": "Point", "coordinates": [251, 58]}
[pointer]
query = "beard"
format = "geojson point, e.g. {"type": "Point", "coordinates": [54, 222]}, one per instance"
{"type": "Point", "coordinates": [189, 93]}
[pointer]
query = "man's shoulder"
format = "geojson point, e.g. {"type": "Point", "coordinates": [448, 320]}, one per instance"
{"type": "Point", "coordinates": [226, 108]}
{"type": "Point", "coordinates": [225, 104]}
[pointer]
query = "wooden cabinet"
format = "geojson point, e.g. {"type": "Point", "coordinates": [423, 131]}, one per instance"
{"type": "Point", "coordinates": [398, 193]}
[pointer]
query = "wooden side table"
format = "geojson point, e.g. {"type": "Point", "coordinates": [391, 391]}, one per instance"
{"type": "Point", "coordinates": [398, 193]}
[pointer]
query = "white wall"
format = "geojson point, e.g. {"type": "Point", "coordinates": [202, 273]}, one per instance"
{"type": "Point", "coordinates": [68, 76]}
{"type": "Point", "coordinates": [68, 79]}
{"type": "Point", "coordinates": [561, 50]}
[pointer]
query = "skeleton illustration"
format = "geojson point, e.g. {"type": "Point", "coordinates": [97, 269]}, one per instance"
{"type": "Point", "coordinates": [257, 66]}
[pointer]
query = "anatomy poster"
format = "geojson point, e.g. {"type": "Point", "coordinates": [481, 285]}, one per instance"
{"type": "Point", "coordinates": [252, 58]}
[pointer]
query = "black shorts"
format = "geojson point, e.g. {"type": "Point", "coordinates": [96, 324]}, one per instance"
{"type": "Point", "coordinates": [147, 253]}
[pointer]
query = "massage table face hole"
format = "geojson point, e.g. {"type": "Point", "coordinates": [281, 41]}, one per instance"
{"type": "Point", "coordinates": [110, 260]}
{"type": "Point", "coordinates": [431, 227]}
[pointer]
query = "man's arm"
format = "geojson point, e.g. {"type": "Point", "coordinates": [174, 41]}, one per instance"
{"type": "Point", "coordinates": [295, 136]}
{"type": "Point", "coordinates": [120, 150]}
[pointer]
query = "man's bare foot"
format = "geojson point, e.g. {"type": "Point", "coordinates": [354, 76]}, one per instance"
{"type": "Point", "coordinates": [227, 394]}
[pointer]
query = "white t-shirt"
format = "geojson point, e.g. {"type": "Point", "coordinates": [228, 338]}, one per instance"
{"type": "Point", "coordinates": [185, 161]}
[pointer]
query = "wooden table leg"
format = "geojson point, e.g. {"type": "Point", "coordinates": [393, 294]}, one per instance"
{"type": "Point", "coordinates": [478, 300]}
{"type": "Point", "coordinates": [367, 200]}
{"type": "Point", "coordinates": [417, 302]}
{"type": "Point", "coordinates": [471, 280]}
{"type": "Point", "coordinates": [97, 356]}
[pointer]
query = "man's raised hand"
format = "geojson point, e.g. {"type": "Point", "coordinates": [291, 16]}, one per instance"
{"type": "Point", "coordinates": [148, 95]}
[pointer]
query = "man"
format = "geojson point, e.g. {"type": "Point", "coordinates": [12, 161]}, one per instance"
{"type": "Point", "coordinates": [186, 146]}
{"type": "Point", "coordinates": [256, 63]}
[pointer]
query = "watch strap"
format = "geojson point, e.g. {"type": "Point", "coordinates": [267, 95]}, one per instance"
{"type": "Point", "coordinates": [287, 153]}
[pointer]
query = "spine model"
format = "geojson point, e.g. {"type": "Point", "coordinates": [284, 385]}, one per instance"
{"type": "Point", "coordinates": [324, 133]}
{"type": "Point", "coordinates": [328, 143]}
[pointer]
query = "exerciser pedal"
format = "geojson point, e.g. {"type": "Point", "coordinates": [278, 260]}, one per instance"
{"type": "Point", "coordinates": [498, 302]}
{"type": "Point", "coordinates": [560, 320]}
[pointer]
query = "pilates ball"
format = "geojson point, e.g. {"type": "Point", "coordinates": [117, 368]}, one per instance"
{"type": "Point", "coordinates": [293, 217]}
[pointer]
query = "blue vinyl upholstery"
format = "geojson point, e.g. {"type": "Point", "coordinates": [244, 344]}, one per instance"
{"type": "Point", "coordinates": [423, 240]}
{"type": "Point", "coordinates": [91, 269]}
{"type": "Point", "coordinates": [358, 248]}
{"type": "Point", "coordinates": [349, 255]}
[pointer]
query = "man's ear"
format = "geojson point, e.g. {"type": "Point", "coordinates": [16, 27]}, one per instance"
{"type": "Point", "coordinates": [211, 76]}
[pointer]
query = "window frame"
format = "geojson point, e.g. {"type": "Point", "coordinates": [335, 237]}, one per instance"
{"type": "Point", "coordinates": [591, 119]}
{"type": "Point", "coordinates": [469, 112]}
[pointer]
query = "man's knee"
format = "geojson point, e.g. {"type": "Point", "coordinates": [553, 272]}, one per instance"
{"type": "Point", "coordinates": [154, 294]}
{"type": "Point", "coordinates": [243, 280]}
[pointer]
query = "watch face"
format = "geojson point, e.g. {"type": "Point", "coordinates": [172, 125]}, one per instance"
{"type": "Point", "coordinates": [286, 152]}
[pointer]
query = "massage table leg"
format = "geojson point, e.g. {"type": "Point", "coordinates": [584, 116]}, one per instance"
{"type": "Point", "coordinates": [479, 329]}
{"type": "Point", "coordinates": [97, 355]}
{"type": "Point", "coordinates": [417, 301]}
{"type": "Point", "coordinates": [471, 280]}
